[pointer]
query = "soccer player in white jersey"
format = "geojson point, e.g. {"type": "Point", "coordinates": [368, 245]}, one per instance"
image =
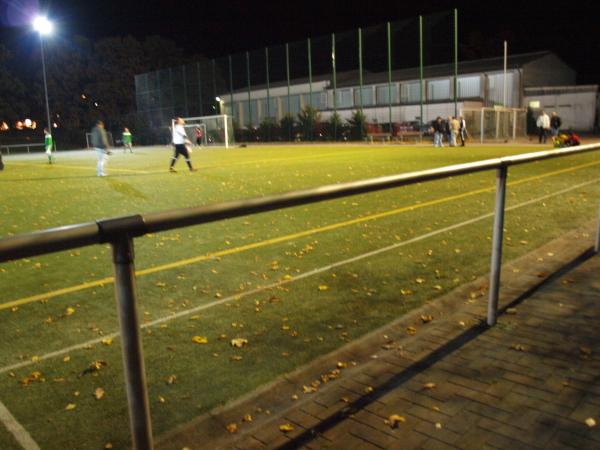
{"type": "Point", "coordinates": [180, 140]}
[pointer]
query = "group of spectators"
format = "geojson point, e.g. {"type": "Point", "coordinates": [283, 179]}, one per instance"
{"type": "Point", "coordinates": [545, 124]}
{"type": "Point", "coordinates": [452, 129]}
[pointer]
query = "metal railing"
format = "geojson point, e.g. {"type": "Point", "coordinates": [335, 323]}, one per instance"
{"type": "Point", "coordinates": [8, 147]}
{"type": "Point", "coordinates": [119, 233]}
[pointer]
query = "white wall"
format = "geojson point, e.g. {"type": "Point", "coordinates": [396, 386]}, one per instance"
{"type": "Point", "coordinates": [401, 113]}
{"type": "Point", "coordinates": [577, 110]}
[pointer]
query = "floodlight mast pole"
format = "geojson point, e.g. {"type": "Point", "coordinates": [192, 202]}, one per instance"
{"type": "Point", "coordinates": [45, 84]}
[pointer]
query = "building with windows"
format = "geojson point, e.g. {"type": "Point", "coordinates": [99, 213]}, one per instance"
{"type": "Point", "coordinates": [395, 96]}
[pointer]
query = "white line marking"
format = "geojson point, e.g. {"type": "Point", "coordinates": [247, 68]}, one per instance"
{"type": "Point", "coordinates": [296, 278]}
{"type": "Point", "coordinates": [16, 429]}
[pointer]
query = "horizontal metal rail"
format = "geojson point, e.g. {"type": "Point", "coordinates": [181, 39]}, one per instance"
{"type": "Point", "coordinates": [120, 231]}
{"type": "Point", "coordinates": [75, 236]}
{"type": "Point", "coordinates": [9, 146]}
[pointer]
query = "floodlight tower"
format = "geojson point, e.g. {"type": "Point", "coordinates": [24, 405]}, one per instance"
{"type": "Point", "coordinates": [44, 27]}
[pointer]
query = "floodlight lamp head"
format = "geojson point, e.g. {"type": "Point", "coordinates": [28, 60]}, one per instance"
{"type": "Point", "coordinates": [218, 99]}
{"type": "Point", "coordinates": [42, 25]}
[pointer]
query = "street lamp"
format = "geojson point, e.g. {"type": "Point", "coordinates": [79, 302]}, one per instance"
{"type": "Point", "coordinates": [44, 27]}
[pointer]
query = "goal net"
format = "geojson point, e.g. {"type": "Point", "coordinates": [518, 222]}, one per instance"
{"type": "Point", "coordinates": [209, 130]}
{"type": "Point", "coordinates": [109, 136]}
{"type": "Point", "coordinates": [496, 124]}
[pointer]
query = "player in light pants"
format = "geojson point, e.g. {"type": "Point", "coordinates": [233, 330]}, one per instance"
{"type": "Point", "coordinates": [100, 144]}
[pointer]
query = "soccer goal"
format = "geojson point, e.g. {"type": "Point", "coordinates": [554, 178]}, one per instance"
{"type": "Point", "coordinates": [496, 124]}
{"type": "Point", "coordinates": [210, 130]}
{"type": "Point", "coordinates": [109, 136]}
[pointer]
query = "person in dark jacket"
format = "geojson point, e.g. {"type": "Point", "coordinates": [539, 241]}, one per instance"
{"type": "Point", "coordinates": [438, 132]}
{"type": "Point", "coordinates": [555, 124]}
{"type": "Point", "coordinates": [100, 144]}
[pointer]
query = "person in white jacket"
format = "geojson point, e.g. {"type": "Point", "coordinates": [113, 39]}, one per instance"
{"type": "Point", "coordinates": [180, 141]}
{"type": "Point", "coordinates": [543, 125]}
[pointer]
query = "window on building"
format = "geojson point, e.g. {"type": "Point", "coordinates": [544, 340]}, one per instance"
{"type": "Point", "coordinates": [367, 96]}
{"type": "Point", "coordinates": [410, 92]}
{"type": "Point", "coordinates": [469, 87]}
{"type": "Point", "coordinates": [438, 90]}
{"type": "Point", "coordinates": [383, 94]}
{"type": "Point", "coordinates": [343, 98]}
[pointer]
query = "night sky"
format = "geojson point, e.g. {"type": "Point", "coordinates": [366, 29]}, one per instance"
{"type": "Point", "coordinates": [215, 28]}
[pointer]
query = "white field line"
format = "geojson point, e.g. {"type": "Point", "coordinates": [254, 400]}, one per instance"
{"type": "Point", "coordinates": [16, 429]}
{"type": "Point", "coordinates": [310, 273]}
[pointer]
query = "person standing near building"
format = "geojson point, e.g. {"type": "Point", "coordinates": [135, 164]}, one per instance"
{"type": "Point", "coordinates": [438, 132]}
{"type": "Point", "coordinates": [127, 140]}
{"type": "Point", "coordinates": [454, 130]}
{"type": "Point", "coordinates": [543, 125]}
{"type": "Point", "coordinates": [48, 145]}
{"type": "Point", "coordinates": [180, 140]}
{"type": "Point", "coordinates": [555, 124]}
{"type": "Point", "coordinates": [462, 131]}
{"type": "Point", "coordinates": [448, 130]}
{"type": "Point", "coordinates": [100, 144]}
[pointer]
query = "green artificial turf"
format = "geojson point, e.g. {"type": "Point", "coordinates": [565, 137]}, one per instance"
{"type": "Point", "coordinates": [286, 325]}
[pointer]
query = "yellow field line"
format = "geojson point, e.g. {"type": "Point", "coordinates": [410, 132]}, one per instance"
{"type": "Point", "coordinates": [70, 166]}
{"type": "Point", "coordinates": [280, 239]}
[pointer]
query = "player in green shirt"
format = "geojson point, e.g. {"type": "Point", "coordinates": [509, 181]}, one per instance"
{"type": "Point", "coordinates": [49, 145]}
{"type": "Point", "coordinates": [127, 141]}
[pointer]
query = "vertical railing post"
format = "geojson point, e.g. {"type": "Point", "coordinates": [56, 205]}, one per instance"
{"type": "Point", "coordinates": [496, 262]}
{"type": "Point", "coordinates": [133, 360]}
{"type": "Point", "coordinates": [597, 245]}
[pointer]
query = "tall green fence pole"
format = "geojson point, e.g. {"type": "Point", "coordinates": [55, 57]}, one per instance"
{"type": "Point", "coordinates": [360, 77]}
{"type": "Point", "coordinates": [232, 110]}
{"type": "Point", "coordinates": [200, 88]}
{"type": "Point", "coordinates": [185, 98]}
{"type": "Point", "coordinates": [389, 46]}
{"type": "Point", "coordinates": [249, 89]}
{"type": "Point", "coordinates": [455, 62]}
{"type": "Point", "coordinates": [268, 94]}
{"type": "Point", "coordinates": [310, 87]}
{"type": "Point", "coordinates": [421, 73]}
{"type": "Point", "coordinates": [334, 87]}
{"type": "Point", "coordinates": [214, 80]}
{"type": "Point", "coordinates": [287, 74]}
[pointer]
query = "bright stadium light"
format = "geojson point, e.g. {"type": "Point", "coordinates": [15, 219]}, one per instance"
{"type": "Point", "coordinates": [42, 25]}
{"type": "Point", "coordinates": [218, 99]}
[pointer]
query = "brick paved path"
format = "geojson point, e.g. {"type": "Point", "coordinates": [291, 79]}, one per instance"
{"type": "Point", "coordinates": [530, 382]}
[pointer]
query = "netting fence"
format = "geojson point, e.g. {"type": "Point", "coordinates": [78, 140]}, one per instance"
{"type": "Point", "coordinates": [383, 79]}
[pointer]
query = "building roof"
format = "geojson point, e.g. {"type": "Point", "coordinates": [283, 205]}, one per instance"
{"type": "Point", "coordinates": [350, 78]}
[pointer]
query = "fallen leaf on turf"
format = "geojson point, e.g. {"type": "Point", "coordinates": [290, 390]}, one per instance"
{"type": "Point", "coordinates": [70, 311]}
{"type": "Point", "coordinates": [426, 318]}
{"type": "Point", "coordinates": [66, 359]}
{"type": "Point", "coordinates": [98, 393]}
{"type": "Point", "coordinates": [512, 311]}
{"type": "Point", "coordinates": [232, 427]}
{"type": "Point", "coordinates": [70, 406]}
{"type": "Point", "coordinates": [368, 389]}
{"type": "Point", "coordinates": [394, 420]}
{"type": "Point", "coordinates": [411, 330]}
{"type": "Point", "coordinates": [235, 358]}
{"type": "Point", "coordinates": [200, 339]}
{"type": "Point", "coordinates": [35, 376]}
{"type": "Point", "coordinates": [590, 422]}
{"type": "Point", "coordinates": [308, 389]}
{"type": "Point", "coordinates": [438, 426]}
{"type": "Point", "coordinates": [295, 397]}
{"type": "Point", "coordinates": [286, 427]}
{"type": "Point", "coordinates": [239, 342]}
{"type": "Point", "coordinates": [94, 367]}
{"type": "Point", "coordinates": [585, 350]}
{"type": "Point", "coordinates": [342, 365]}
{"type": "Point", "coordinates": [108, 446]}
{"type": "Point", "coordinates": [171, 379]}
{"type": "Point", "coordinates": [160, 284]}
{"type": "Point", "coordinates": [420, 280]}
{"type": "Point", "coordinates": [429, 386]}
{"type": "Point", "coordinates": [107, 341]}
{"type": "Point", "coordinates": [323, 287]}
{"type": "Point", "coordinates": [345, 399]}
{"type": "Point", "coordinates": [518, 347]}
{"type": "Point", "coordinates": [162, 399]}
{"type": "Point", "coordinates": [406, 292]}
{"type": "Point", "coordinates": [247, 418]}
